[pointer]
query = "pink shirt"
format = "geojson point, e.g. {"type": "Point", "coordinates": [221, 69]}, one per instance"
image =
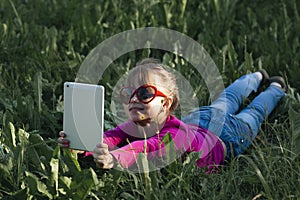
{"type": "Point", "coordinates": [125, 146]}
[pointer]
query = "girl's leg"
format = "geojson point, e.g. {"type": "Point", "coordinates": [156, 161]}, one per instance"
{"type": "Point", "coordinates": [231, 99]}
{"type": "Point", "coordinates": [260, 108]}
{"type": "Point", "coordinates": [213, 117]}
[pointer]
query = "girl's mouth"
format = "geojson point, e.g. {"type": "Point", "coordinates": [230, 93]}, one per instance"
{"type": "Point", "coordinates": [135, 109]}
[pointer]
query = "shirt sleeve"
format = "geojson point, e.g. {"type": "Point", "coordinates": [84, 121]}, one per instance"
{"type": "Point", "coordinates": [128, 154]}
{"type": "Point", "coordinates": [114, 137]}
{"type": "Point", "coordinates": [212, 151]}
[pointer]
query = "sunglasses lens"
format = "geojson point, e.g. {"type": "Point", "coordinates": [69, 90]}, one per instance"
{"type": "Point", "coordinates": [146, 94]}
{"type": "Point", "coordinates": [125, 95]}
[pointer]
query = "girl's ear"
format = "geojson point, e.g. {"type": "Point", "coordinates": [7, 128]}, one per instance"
{"type": "Point", "coordinates": [167, 103]}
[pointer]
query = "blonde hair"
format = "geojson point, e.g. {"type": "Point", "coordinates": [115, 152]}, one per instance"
{"type": "Point", "coordinates": [161, 75]}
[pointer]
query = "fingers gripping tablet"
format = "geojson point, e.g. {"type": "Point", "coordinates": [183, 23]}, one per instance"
{"type": "Point", "coordinates": [83, 115]}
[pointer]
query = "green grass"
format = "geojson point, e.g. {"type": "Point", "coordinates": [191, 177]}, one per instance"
{"type": "Point", "coordinates": [43, 43]}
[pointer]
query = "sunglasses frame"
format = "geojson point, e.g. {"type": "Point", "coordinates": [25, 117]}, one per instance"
{"type": "Point", "coordinates": [135, 92]}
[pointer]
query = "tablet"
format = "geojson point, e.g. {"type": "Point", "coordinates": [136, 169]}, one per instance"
{"type": "Point", "coordinates": [83, 115]}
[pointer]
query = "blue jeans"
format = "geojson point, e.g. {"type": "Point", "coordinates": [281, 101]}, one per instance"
{"type": "Point", "coordinates": [237, 129]}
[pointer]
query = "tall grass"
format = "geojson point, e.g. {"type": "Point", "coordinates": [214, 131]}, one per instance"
{"type": "Point", "coordinates": [43, 43]}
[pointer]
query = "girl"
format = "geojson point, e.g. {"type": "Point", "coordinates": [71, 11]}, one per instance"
{"type": "Point", "coordinates": [218, 131]}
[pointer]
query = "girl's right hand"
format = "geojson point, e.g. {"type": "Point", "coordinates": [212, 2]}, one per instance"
{"type": "Point", "coordinates": [62, 141]}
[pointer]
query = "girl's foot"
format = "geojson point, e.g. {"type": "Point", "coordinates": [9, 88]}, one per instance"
{"type": "Point", "coordinates": [279, 82]}
{"type": "Point", "coordinates": [265, 76]}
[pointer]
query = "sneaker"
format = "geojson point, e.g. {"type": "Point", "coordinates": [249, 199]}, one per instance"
{"type": "Point", "coordinates": [279, 80]}
{"type": "Point", "coordinates": [266, 77]}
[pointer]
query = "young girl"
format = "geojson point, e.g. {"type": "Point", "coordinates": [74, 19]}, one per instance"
{"type": "Point", "coordinates": [218, 131]}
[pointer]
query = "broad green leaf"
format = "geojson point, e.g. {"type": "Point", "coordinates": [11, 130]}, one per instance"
{"type": "Point", "coordinates": [13, 134]}
{"type": "Point", "coordinates": [21, 194]}
{"type": "Point", "coordinates": [82, 183]}
{"type": "Point", "coordinates": [71, 162]}
{"type": "Point", "coordinates": [54, 173]}
{"type": "Point", "coordinates": [53, 178]}
{"type": "Point", "coordinates": [37, 85]}
{"type": "Point", "coordinates": [6, 176]}
{"type": "Point", "coordinates": [35, 159]}
{"type": "Point", "coordinates": [36, 186]}
{"type": "Point", "coordinates": [169, 147]}
{"type": "Point", "coordinates": [167, 138]}
{"type": "Point", "coordinates": [19, 155]}
{"type": "Point", "coordinates": [38, 143]}
{"type": "Point", "coordinates": [65, 182]}
{"type": "Point", "coordinates": [23, 137]}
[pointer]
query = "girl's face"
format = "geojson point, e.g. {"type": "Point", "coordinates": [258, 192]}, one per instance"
{"type": "Point", "coordinates": [144, 112]}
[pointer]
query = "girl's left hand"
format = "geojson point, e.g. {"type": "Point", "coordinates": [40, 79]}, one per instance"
{"type": "Point", "coordinates": [102, 157]}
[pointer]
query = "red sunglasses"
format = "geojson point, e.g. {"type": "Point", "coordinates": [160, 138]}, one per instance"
{"type": "Point", "coordinates": [145, 94]}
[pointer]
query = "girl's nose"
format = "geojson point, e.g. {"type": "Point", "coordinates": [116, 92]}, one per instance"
{"type": "Point", "coordinates": [134, 99]}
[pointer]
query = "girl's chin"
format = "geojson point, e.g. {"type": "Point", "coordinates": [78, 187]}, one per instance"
{"type": "Point", "coordinates": [141, 120]}
{"type": "Point", "coordinates": [145, 122]}
{"type": "Point", "coordinates": [137, 119]}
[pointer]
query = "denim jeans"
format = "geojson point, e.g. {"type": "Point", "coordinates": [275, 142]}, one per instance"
{"type": "Point", "coordinates": [237, 129]}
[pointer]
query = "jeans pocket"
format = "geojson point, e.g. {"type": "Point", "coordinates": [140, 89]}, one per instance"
{"type": "Point", "coordinates": [238, 134]}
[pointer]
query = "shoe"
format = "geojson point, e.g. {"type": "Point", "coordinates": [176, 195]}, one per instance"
{"type": "Point", "coordinates": [266, 77]}
{"type": "Point", "coordinates": [280, 80]}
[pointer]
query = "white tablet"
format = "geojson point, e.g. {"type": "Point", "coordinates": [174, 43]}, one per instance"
{"type": "Point", "coordinates": [83, 115]}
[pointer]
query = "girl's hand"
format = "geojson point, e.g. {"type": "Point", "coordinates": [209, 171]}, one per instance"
{"type": "Point", "coordinates": [102, 157]}
{"type": "Point", "coordinates": [62, 141]}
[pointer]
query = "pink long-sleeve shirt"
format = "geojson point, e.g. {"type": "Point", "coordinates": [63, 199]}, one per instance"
{"type": "Point", "coordinates": [125, 146]}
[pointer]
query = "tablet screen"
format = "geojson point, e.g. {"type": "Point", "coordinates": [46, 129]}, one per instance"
{"type": "Point", "coordinates": [83, 115]}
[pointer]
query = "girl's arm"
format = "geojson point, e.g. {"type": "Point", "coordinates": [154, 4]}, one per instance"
{"type": "Point", "coordinates": [114, 137]}
{"type": "Point", "coordinates": [153, 148]}
{"type": "Point", "coordinates": [128, 154]}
